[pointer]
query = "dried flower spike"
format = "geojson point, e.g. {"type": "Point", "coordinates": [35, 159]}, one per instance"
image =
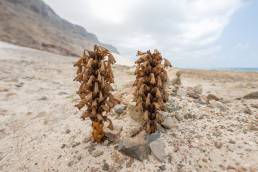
{"type": "Point", "coordinates": [95, 76]}
{"type": "Point", "coordinates": [150, 93]}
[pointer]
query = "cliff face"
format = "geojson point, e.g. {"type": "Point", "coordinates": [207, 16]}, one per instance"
{"type": "Point", "coordinates": [32, 23]}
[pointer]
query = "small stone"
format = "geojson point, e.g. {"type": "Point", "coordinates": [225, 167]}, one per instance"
{"type": "Point", "coordinates": [106, 142]}
{"type": "Point", "coordinates": [67, 131]}
{"type": "Point", "coordinates": [19, 84]}
{"type": "Point", "coordinates": [63, 146]}
{"type": "Point", "coordinates": [255, 106]}
{"type": "Point", "coordinates": [97, 153]}
{"type": "Point", "coordinates": [218, 145]}
{"type": "Point", "coordinates": [218, 105]}
{"type": "Point", "coordinates": [152, 137]}
{"type": "Point", "coordinates": [75, 144]}
{"type": "Point", "coordinates": [105, 166]}
{"type": "Point", "coordinates": [253, 95]}
{"type": "Point", "coordinates": [79, 157]}
{"type": "Point", "coordinates": [172, 107]}
{"type": "Point", "coordinates": [212, 97]}
{"type": "Point", "coordinates": [158, 149]}
{"type": "Point", "coordinates": [120, 108]}
{"type": "Point", "coordinates": [162, 167]}
{"type": "Point", "coordinates": [169, 123]}
{"type": "Point", "coordinates": [43, 98]}
{"type": "Point", "coordinates": [70, 163]}
{"type": "Point", "coordinates": [247, 110]}
{"type": "Point", "coordinates": [188, 116]}
{"type": "Point", "coordinates": [134, 150]}
{"type": "Point", "coordinates": [179, 117]}
{"type": "Point", "coordinates": [194, 92]}
{"type": "Point", "coordinates": [232, 141]}
{"type": "Point", "coordinates": [62, 93]}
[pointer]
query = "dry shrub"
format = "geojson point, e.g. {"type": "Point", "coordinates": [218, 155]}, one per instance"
{"type": "Point", "coordinates": [95, 75]}
{"type": "Point", "coordinates": [150, 93]}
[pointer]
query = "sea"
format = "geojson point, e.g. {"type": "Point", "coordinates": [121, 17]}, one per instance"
{"type": "Point", "coordinates": [236, 69]}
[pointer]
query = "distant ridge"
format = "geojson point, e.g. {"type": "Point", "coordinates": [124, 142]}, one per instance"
{"type": "Point", "coordinates": [32, 23]}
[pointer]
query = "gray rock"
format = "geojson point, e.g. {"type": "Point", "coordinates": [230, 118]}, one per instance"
{"type": "Point", "coordinates": [105, 166]}
{"type": "Point", "coordinates": [119, 109]}
{"type": "Point", "coordinates": [253, 95]}
{"type": "Point", "coordinates": [158, 149]}
{"type": "Point", "coordinates": [134, 150]}
{"type": "Point", "coordinates": [152, 137]}
{"type": "Point", "coordinates": [43, 98]}
{"type": "Point", "coordinates": [169, 122]}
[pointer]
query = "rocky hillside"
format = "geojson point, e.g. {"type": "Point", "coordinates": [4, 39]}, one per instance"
{"type": "Point", "coordinates": [32, 23]}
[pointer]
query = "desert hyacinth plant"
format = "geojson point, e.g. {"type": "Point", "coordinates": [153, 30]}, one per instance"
{"type": "Point", "coordinates": [95, 75]}
{"type": "Point", "coordinates": [150, 93]}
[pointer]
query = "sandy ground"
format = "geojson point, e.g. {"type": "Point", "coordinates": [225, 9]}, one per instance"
{"type": "Point", "coordinates": [41, 130]}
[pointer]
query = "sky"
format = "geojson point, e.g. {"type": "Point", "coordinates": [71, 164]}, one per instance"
{"type": "Point", "coordinates": [190, 33]}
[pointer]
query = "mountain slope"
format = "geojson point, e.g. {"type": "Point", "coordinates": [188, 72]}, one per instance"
{"type": "Point", "coordinates": [32, 23]}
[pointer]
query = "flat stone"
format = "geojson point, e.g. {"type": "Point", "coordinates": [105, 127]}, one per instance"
{"type": "Point", "coordinates": [158, 149]}
{"type": "Point", "coordinates": [134, 150]}
{"type": "Point", "coordinates": [152, 137]}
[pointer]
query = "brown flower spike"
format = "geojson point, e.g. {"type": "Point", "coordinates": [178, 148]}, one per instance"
{"type": "Point", "coordinates": [150, 93]}
{"type": "Point", "coordinates": [95, 75]}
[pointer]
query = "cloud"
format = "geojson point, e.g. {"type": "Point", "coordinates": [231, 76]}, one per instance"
{"type": "Point", "coordinates": [182, 29]}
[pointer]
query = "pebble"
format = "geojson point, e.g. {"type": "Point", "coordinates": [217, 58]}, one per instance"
{"type": "Point", "coordinates": [43, 98]}
{"type": "Point", "coordinates": [179, 117]}
{"type": "Point", "coordinates": [67, 131]}
{"type": "Point", "coordinates": [218, 145]}
{"type": "Point", "coordinates": [120, 108]}
{"type": "Point", "coordinates": [232, 141]}
{"type": "Point", "coordinates": [97, 153]}
{"type": "Point", "coordinates": [169, 123]}
{"type": "Point", "coordinates": [105, 166]}
{"type": "Point", "coordinates": [75, 144]}
{"type": "Point", "coordinates": [134, 150]}
{"type": "Point", "coordinates": [162, 167]}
